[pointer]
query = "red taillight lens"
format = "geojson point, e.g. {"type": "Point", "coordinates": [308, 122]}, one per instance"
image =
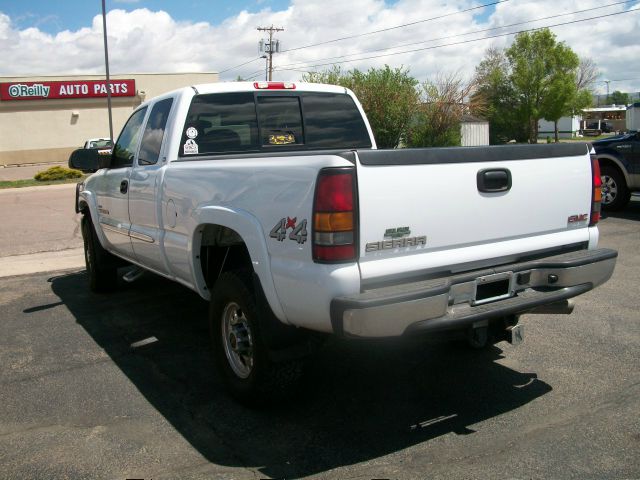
{"type": "Point", "coordinates": [335, 193]}
{"type": "Point", "coordinates": [334, 216]}
{"type": "Point", "coordinates": [596, 197]}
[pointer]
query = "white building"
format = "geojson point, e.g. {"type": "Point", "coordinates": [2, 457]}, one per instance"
{"type": "Point", "coordinates": [633, 117]}
{"type": "Point", "coordinates": [474, 131]}
{"type": "Point", "coordinates": [568, 127]}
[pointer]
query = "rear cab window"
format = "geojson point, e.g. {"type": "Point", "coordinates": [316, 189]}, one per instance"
{"type": "Point", "coordinates": [222, 123]}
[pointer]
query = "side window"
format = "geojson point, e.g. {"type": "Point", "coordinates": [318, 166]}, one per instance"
{"type": "Point", "coordinates": [154, 133]}
{"type": "Point", "coordinates": [280, 121]}
{"type": "Point", "coordinates": [333, 121]}
{"type": "Point", "coordinates": [220, 123]}
{"type": "Point", "coordinates": [125, 149]}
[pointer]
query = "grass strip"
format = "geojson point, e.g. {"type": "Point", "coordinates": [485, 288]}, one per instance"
{"type": "Point", "coordinates": [35, 183]}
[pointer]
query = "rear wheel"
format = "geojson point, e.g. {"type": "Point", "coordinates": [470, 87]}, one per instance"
{"type": "Point", "coordinates": [101, 266]}
{"type": "Point", "coordinates": [240, 350]}
{"type": "Point", "coordinates": [615, 194]}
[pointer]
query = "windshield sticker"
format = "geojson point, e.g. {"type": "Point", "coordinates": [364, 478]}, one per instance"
{"type": "Point", "coordinates": [192, 132]}
{"type": "Point", "coordinates": [190, 147]}
{"type": "Point", "coordinates": [282, 139]}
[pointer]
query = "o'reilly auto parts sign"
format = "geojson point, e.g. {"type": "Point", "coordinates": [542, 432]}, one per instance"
{"type": "Point", "coordinates": [66, 89]}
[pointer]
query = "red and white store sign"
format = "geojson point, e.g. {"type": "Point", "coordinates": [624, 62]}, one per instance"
{"type": "Point", "coordinates": [66, 89]}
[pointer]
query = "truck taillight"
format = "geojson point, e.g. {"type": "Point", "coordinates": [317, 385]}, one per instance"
{"type": "Point", "coordinates": [596, 196]}
{"type": "Point", "coordinates": [335, 216]}
{"type": "Point", "coordinates": [274, 85]}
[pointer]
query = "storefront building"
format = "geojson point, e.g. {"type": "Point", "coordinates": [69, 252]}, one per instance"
{"type": "Point", "coordinates": [43, 119]}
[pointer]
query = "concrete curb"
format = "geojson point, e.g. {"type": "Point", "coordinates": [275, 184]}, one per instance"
{"type": "Point", "coordinates": [41, 262]}
{"type": "Point", "coordinates": [35, 164]}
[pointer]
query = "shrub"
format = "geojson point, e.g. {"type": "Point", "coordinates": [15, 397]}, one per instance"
{"type": "Point", "coordinates": [57, 173]}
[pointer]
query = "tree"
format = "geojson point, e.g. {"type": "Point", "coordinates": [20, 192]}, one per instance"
{"type": "Point", "coordinates": [494, 90]}
{"type": "Point", "coordinates": [570, 89]}
{"type": "Point", "coordinates": [562, 94]}
{"type": "Point", "coordinates": [619, 98]}
{"type": "Point", "coordinates": [587, 74]}
{"type": "Point", "coordinates": [437, 120]}
{"type": "Point", "coordinates": [542, 73]}
{"type": "Point", "coordinates": [388, 97]}
{"type": "Point", "coordinates": [333, 76]}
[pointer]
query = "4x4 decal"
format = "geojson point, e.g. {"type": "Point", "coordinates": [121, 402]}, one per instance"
{"type": "Point", "coordinates": [298, 232]}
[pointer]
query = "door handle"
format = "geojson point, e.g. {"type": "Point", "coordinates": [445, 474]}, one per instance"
{"type": "Point", "coordinates": [124, 186]}
{"type": "Point", "coordinates": [492, 180]}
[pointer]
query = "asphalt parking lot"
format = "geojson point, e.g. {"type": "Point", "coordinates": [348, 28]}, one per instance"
{"type": "Point", "coordinates": [82, 397]}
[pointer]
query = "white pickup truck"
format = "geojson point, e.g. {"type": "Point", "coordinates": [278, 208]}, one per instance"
{"type": "Point", "coordinates": [272, 201]}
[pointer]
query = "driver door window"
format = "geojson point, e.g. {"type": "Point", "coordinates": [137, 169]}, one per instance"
{"type": "Point", "coordinates": [127, 144]}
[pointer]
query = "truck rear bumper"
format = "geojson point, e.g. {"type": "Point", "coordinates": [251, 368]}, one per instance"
{"type": "Point", "coordinates": [458, 301]}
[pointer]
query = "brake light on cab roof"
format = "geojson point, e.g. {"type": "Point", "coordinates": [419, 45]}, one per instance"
{"type": "Point", "coordinates": [274, 85]}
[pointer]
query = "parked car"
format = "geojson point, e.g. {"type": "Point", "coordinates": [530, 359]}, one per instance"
{"type": "Point", "coordinates": [619, 159]}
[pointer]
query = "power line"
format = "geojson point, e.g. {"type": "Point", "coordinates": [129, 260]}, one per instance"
{"type": "Point", "coordinates": [467, 41]}
{"type": "Point", "coordinates": [249, 76]}
{"type": "Point", "coordinates": [457, 35]}
{"type": "Point", "coordinates": [239, 65]}
{"type": "Point", "coordinates": [395, 27]}
{"type": "Point", "coordinates": [366, 33]}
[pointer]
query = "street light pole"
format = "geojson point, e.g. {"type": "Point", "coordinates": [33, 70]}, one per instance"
{"type": "Point", "coordinates": [106, 62]}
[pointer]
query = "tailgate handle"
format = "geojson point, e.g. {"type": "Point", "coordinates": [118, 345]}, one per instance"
{"type": "Point", "coordinates": [492, 180]}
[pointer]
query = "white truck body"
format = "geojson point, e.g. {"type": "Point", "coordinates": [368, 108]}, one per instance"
{"type": "Point", "coordinates": [426, 235]}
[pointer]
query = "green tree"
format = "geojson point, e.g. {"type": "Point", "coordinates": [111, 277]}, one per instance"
{"type": "Point", "coordinates": [619, 98]}
{"type": "Point", "coordinates": [543, 74]}
{"type": "Point", "coordinates": [437, 120]}
{"type": "Point", "coordinates": [535, 78]}
{"type": "Point", "coordinates": [388, 97]}
{"type": "Point", "coordinates": [570, 89]}
{"type": "Point", "coordinates": [333, 76]}
{"type": "Point", "coordinates": [496, 93]}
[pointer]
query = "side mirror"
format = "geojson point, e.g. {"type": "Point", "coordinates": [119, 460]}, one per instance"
{"type": "Point", "coordinates": [85, 160]}
{"type": "Point", "coordinates": [89, 159]}
{"type": "Point", "coordinates": [104, 161]}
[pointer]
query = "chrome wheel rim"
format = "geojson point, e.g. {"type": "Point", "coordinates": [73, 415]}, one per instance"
{"type": "Point", "coordinates": [237, 340]}
{"type": "Point", "coordinates": [609, 189]}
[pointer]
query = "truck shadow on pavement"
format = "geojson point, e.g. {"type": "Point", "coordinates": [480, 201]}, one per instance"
{"type": "Point", "coordinates": [359, 401]}
{"type": "Point", "coordinates": [630, 212]}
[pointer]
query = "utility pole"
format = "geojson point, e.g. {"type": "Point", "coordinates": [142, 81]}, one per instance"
{"type": "Point", "coordinates": [607, 82]}
{"type": "Point", "coordinates": [270, 47]}
{"type": "Point", "coordinates": [106, 62]}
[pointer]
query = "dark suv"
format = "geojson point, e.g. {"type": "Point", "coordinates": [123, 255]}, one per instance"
{"type": "Point", "coordinates": [619, 158]}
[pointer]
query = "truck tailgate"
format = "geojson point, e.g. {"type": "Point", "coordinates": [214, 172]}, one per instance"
{"type": "Point", "coordinates": [424, 209]}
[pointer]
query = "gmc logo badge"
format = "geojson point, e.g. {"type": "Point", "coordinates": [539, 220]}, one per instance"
{"type": "Point", "coordinates": [578, 218]}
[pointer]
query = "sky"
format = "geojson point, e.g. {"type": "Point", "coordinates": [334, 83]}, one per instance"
{"type": "Point", "coordinates": [430, 38]}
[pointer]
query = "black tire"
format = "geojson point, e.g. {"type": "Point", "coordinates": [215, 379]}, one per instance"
{"type": "Point", "coordinates": [101, 265]}
{"type": "Point", "coordinates": [615, 194]}
{"type": "Point", "coordinates": [240, 351]}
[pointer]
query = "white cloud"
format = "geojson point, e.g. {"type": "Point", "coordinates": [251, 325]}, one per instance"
{"type": "Point", "coordinates": [145, 41]}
